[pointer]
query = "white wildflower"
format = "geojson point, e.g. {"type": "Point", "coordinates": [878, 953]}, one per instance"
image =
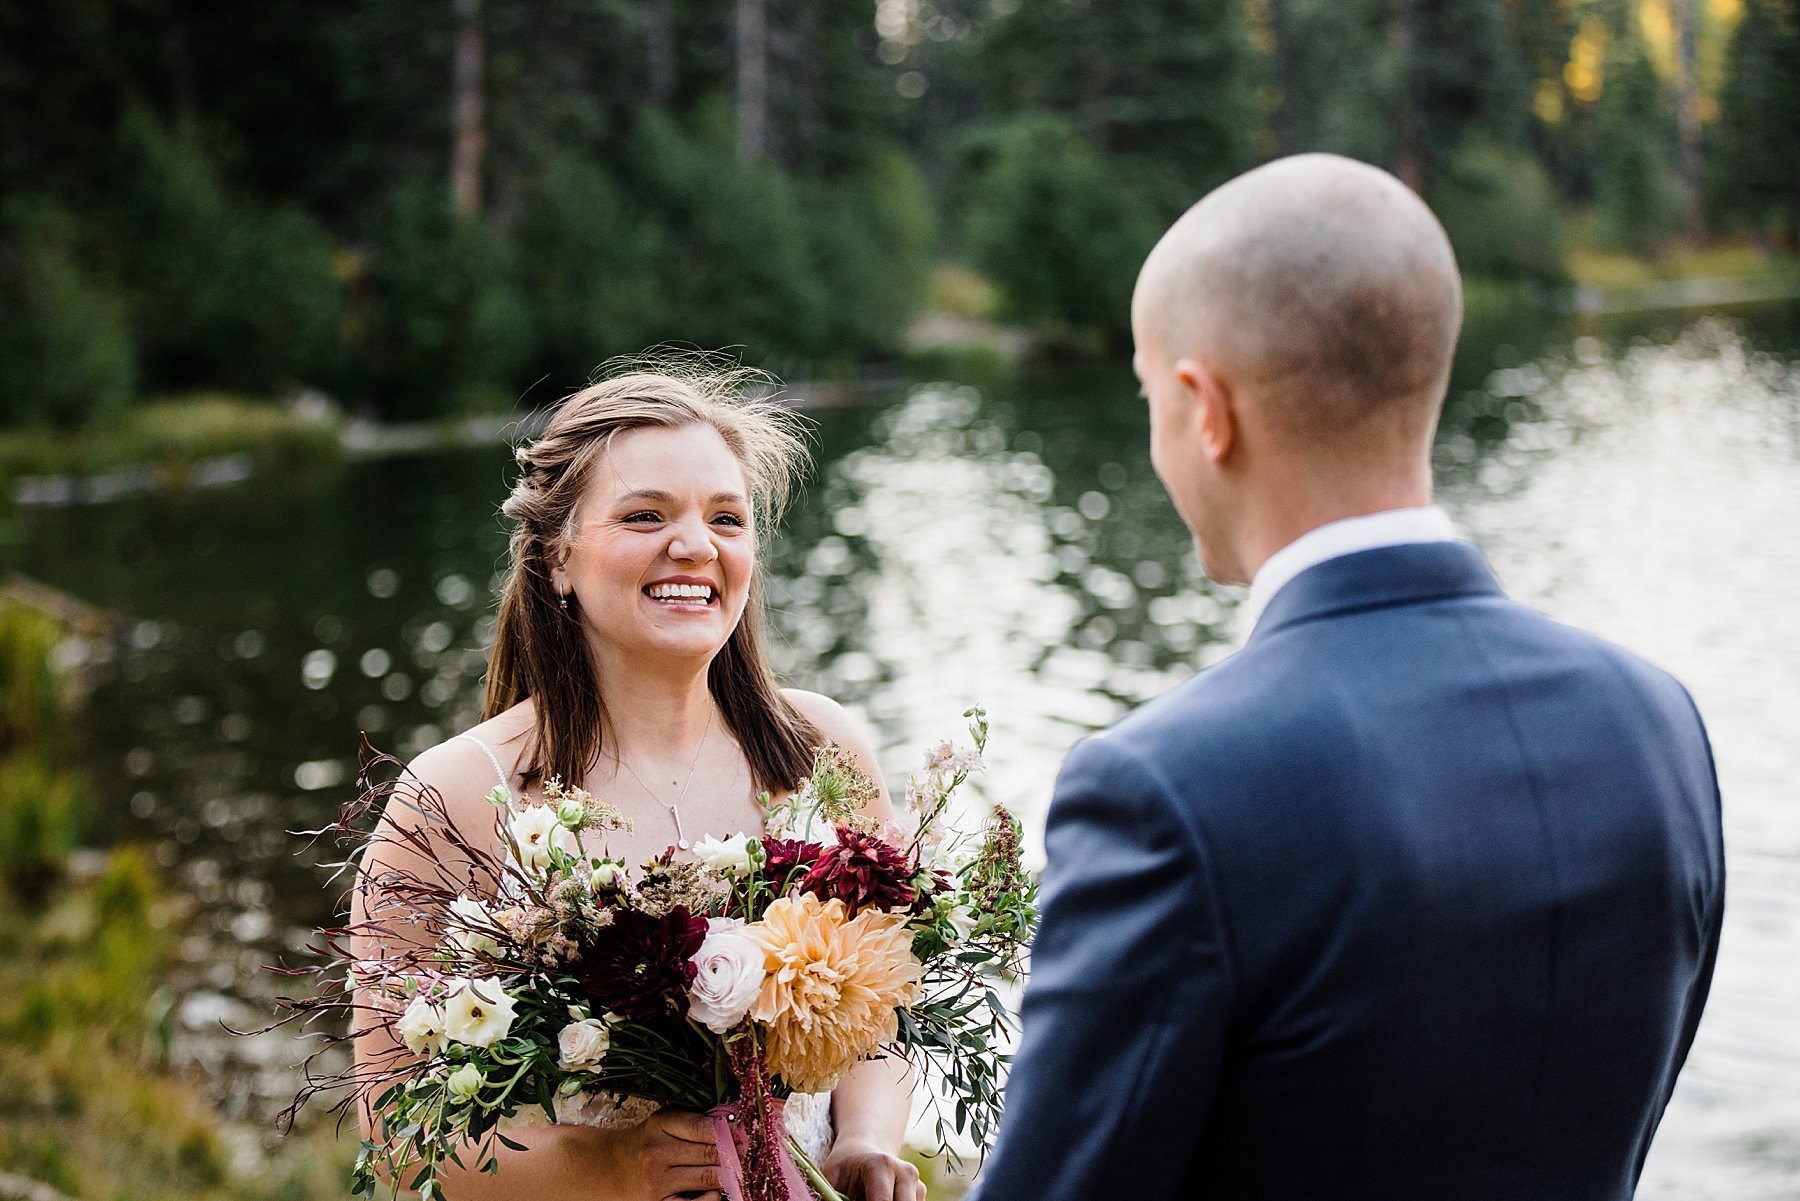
{"type": "Point", "coordinates": [478, 1012]}
{"type": "Point", "coordinates": [535, 831]}
{"type": "Point", "coordinates": [421, 1027]}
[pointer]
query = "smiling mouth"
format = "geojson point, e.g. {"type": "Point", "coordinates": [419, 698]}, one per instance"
{"type": "Point", "coordinates": [683, 595]}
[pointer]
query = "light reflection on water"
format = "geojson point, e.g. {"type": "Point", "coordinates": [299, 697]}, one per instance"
{"type": "Point", "coordinates": [1008, 546]}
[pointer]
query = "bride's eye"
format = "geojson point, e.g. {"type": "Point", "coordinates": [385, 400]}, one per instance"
{"type": "Point", "coordinates": [731, 519]}
{"type": "Point", "coordinates": [644, 517]}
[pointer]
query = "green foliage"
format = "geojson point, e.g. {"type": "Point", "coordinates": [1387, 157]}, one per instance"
{"type": "Point", "coordinates": [37, 801]}
{"type": "Point", "coordinates": [66, 355]}
{"type": "Point", "coordinates": [446, 315]}
{"type": "Point", "coordinates": [1636, 190]}
{"type": "Point", "coordinates": [223, 290]}
{"type": "Point", "coordinates": [593, 259]}
{"type": "Point", "coordinates": [1502, 214]}
{"type": "Point", "coordinates": [1057, 230]}
{"type": "Point", "coordinates": [1757, 172]}
{"type": "Point", "coordinates": [37, 826]}
{"type": "Point", "coordinates": [739, 271]}
{"type": "Point", "coordinates": [1162, 87]}
{"type": "Point", "coordinates": [1334, 75]}
{"type": "Point", "coordinates": [871, 244]}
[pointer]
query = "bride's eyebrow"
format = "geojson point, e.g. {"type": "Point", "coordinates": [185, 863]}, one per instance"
{"type": "Point", "coordinates": [660, 497]}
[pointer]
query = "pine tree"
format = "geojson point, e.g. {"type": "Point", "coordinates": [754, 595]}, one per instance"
{"type": "Point", "coordinates": [1164, 88]}
{"type": "Point", "coordinates": [1636, 189]}
{"type": "Point", "coordinates": [1758, 167]}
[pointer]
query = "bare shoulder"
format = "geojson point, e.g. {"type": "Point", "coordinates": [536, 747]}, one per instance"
{"type": "Point", "coordinates": [832, 719]}
{"type": "Point", "coordinates": [461, 772]}
{"type": "Point", "coordinates": [837, 724]}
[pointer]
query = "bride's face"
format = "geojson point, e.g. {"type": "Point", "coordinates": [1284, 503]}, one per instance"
{"type": "Point", "coordinates": [663, 552]}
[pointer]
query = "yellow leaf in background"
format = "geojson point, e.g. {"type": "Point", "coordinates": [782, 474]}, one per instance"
{"type": "Point", "coordinates": [1587, 53]}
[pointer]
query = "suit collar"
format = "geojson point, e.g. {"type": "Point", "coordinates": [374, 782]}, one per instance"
{"type": "Point", "coordinates": [1375, 579]}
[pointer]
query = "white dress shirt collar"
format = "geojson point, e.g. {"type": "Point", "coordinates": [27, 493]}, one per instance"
{"type": "Point", "coordinates": [1395, 527]}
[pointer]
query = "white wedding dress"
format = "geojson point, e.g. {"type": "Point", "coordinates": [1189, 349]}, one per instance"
{"type": "Point", "coordinates": [808, 1115]}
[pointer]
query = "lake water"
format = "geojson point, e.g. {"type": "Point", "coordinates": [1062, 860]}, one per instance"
{"type": "Point", "coordinates": [1000, 541]}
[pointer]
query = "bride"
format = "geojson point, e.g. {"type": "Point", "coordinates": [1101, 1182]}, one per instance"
{"type": "Point", "coordinates": [629, 659]}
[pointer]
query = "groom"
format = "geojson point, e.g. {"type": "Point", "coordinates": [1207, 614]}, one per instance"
{"type": "Point", "coordinates": [1418, 895]}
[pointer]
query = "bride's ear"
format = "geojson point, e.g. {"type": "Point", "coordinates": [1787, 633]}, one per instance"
{"type": "Point", "coordinates": [559, 578]}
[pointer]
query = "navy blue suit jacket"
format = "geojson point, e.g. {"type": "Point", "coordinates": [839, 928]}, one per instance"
{"type": "Point", "coordinates": [1416, 896]}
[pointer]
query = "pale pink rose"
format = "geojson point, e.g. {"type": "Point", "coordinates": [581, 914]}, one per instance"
{"type": "Point", "coordinates": [730, 976]}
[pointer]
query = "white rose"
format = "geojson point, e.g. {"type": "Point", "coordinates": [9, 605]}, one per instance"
{"type": "Point", "coordinates": [464, 1083]}
{"type": "Point", "coordinates": [730, 976]}
{"type": "Point", "coordinates": [421, 1027]}
{"type": "Point", "coordinates": [478, 1012]}
{"type": "Point", "coordinates": [535, 831]}
{"type": "Point", "coordinates": [582, 1045]}
{"type": "Point", "coordinates": [730, 857]}
{"type": "Point", "coordinates": [470, 927]}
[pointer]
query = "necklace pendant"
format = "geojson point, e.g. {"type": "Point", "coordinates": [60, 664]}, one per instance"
{"type": "Point", "coordinates": [682, 843]}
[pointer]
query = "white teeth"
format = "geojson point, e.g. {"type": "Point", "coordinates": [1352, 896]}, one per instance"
{"type": "Point", "coordinates": [681, 592]}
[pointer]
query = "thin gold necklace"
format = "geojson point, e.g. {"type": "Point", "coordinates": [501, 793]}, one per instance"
{"type": "Point", "coordinates": [674, 807]}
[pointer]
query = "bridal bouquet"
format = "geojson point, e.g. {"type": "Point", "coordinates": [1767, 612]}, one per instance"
{"type": "Point", "coordinates": [545, 973]}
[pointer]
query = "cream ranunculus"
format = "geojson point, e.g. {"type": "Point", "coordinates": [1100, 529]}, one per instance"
{"type": "Point", "coordinates": [464, 1083]}
{"type": "Point", "coordinates": [537, 830]}
{"type": "Point", "coordinates": [831, 986]}
{"type": "Point", "coordinates": [478, 1012]}
{"type": "Point", "coordinates": [730, 856]}
{"type": "Point", "coordinates": [470, 927]}
{"type": "Point", "coordinates": [582, 1045]}
{"type": "Point", "coordinates": [730, 976]}
{"type": "Point", "coordinates": [606, 874]}
{"type": "Point", "coordinates": [421, 1027]}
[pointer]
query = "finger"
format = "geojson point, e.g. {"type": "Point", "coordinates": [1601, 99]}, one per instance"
{"type": "Point", "coordinates": [878, 1181]}
{"type": "Point", "coordinates": [688, 1127]}
{"type": "Point", "coordinates": [700, 1179]}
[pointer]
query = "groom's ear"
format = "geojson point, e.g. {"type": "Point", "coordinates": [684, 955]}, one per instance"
{"type": "Point", "coordinates": [1215, 418]}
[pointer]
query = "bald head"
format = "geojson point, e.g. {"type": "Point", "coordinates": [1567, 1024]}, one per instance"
{"type": "Point", "coordinates": [1321, 289]}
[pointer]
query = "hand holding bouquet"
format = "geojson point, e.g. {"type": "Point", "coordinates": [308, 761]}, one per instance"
{"type": "Point", "coordinates": [549, 972]}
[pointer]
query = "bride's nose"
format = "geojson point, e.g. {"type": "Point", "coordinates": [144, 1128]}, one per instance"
{"type": "Point", "coordinates": [692, 544]}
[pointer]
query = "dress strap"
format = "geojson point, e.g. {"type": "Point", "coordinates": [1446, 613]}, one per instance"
{"type": "Point", "coordinates": [492, 758]}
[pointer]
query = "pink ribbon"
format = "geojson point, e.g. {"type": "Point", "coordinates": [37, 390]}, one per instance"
{"type": "Point", "coordinates": [733, 1136]}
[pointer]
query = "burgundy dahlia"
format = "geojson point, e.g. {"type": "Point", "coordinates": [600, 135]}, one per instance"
{"type": "Point", "coordinates": [640, 966]}
{"type": "Point", "coordinates": [782, 855]}
{"type": "Point", "coordinates": [862, 871]}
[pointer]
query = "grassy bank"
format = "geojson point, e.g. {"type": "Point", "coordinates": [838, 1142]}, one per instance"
{"type": "Point", "coordinates": [89, 1107]}
{"type": "Point", "coordinates": [177, 436]}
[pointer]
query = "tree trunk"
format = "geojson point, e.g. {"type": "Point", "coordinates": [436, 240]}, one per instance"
{"type": "Point", "coordinates": [469, 135]}
{"type": "Point", "coordinates": [659, 49]}
{"type": "Point", "coordinates": [1687, 106]}
{"type": "Point", "coordinates": [1403, 35]}
{"type": "Point", "coordinates": [752, 53]}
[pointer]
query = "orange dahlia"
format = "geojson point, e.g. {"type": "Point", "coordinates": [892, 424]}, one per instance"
{"type": "Point", "coordinates": [832, 986]}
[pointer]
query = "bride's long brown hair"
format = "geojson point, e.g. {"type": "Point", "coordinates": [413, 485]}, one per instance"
{"type": "Point", "coordinates": [539, 649]}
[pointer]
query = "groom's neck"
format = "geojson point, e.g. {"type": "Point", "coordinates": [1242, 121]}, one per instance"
{"type": "Point", "coordinates": [1282, 505]}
